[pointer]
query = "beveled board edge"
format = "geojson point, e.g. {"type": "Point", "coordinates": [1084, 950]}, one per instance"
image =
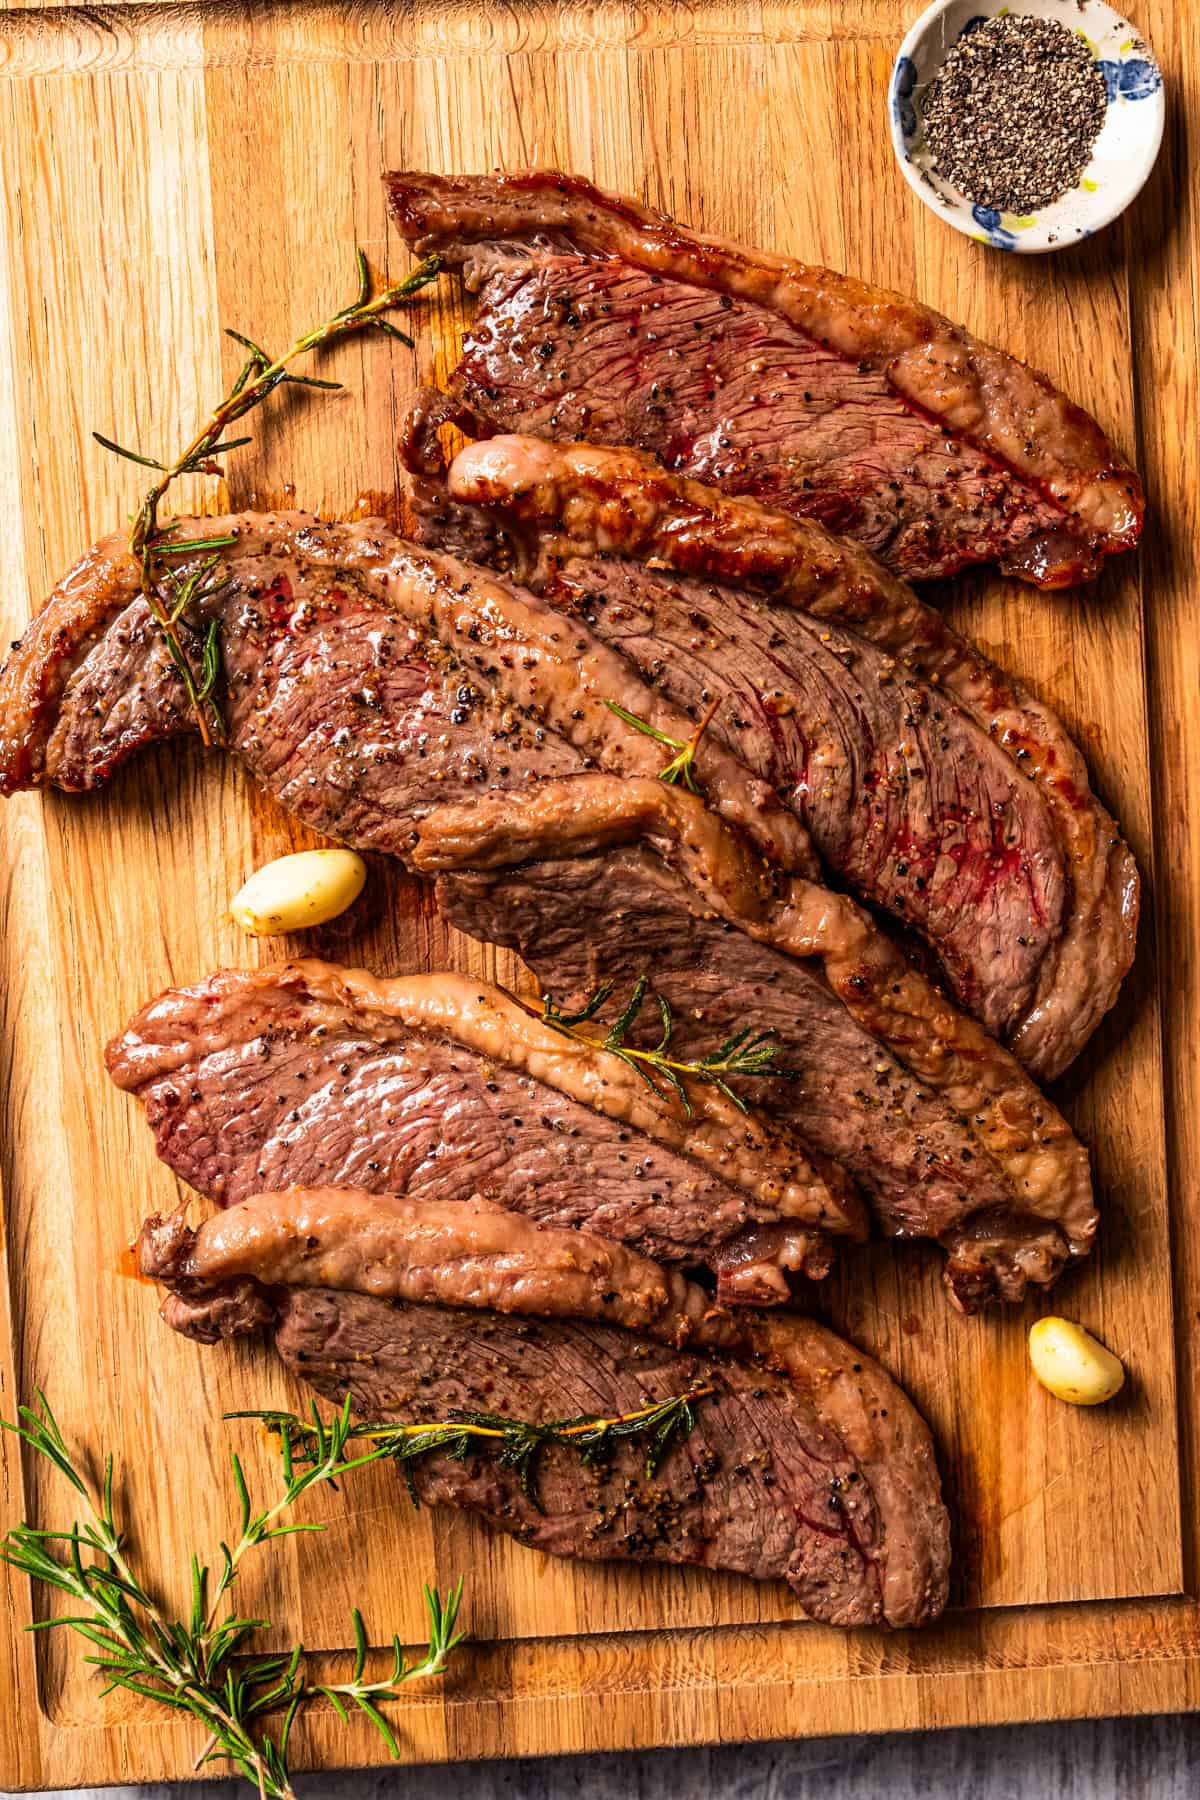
{"type": "Point", "coordinates": [644, 1690]}
{"type": "Point", "coordinates": [689, 1688]}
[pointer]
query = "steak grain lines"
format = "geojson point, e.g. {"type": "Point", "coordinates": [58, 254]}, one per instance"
{"type": "Point", "coordinates": [437, 1087]}
{"type": "Point", "coordinates": [806, 1462]}
{"type": "Point", "coordinates": [939, 1125]}
{"type": "Point", "coordinates": [367, 682]}
{"type": "Point", "coordinates": [601, 319]}
{"type": "Point", "coordinates": [931, 782]}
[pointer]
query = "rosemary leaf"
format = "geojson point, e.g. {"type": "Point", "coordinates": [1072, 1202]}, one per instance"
{"type": "Point", "coordinates": [587, 1011]}
{"type": "Point", "coordinates": [182, 665]}
{"type": "Point", "coordinates": [390, 330]}
{"type": "Point", "coordinates": [244, 374]}
{"type": "Point", "coordinates": [746, 1052]}
{"type": "Point", "coordinates": [333, 387]}
{"type": "Point", "coordinates": [225, 444]}
{"type": "Point", "coordinates": [211, 661]}
{"type": "Point", "coordinates": [189, 1665]}
{"type": "Point", "coordinates": [644, 726]}
{"type": "Point", "coordinates": [633, 1060]}
{"type": "Point", "coordinates": [335, 1700]}
{"type": "Point", "coordinates": [255, 381]}
{"type": "Point", "coordinates": [633, 1007]}
{"type": "Point", "coordinates": [379, 1722]}
{"type": "Point", "coordinates": [675, 1083]}
{"type": "Point", "coordinates": [258, 354]}
{"type": "Point", "coordinates": [167, 546]}
{"type": "Point", "coordinates": [147, 462]}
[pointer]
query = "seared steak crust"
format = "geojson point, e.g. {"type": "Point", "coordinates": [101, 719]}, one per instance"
{"type": "Point", "coordinates": [933, 782]}
{"type": "Point", "coordinates": [600, 319]}
{"type": "Point", "coordinates": [436, 1088]}
{"type": "Point", "coordinates": [807, 1461]}
{"type": "Point", "coordinates": [465, 1253]}
{"type": "Point", "coordinates": [758, 1487]}
{"type": "Point", "coordinates": [987, 1166]}
{"type": "Point", "coordinates": [364, 681]}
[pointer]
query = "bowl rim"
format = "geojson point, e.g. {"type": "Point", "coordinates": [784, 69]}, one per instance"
{"type": "Point", "coordinates": [963, 221]}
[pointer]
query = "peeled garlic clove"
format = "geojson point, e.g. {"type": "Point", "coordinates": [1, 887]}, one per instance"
{"type": "Point", "coordinates": [1072, 1364]}
{"type": "Point", "coordinates": [294, 892]}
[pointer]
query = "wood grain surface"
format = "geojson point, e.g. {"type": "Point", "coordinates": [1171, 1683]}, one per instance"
{"type": "Point", "coordinates": [170, 169]}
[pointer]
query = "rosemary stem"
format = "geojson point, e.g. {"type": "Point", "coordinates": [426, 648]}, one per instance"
{"type": "Point", "coordinates": [228, 1574]}
{"type": "Point", "coordinates": [385, 1432]}
{"type": "Point", "coordinates": [206, 1751]}
{"type": "Point", "coordinates": [630, 1418]}
{"type": "Point", "coordinates": [170, 1677]}
{"type": "Point", "coordinates": [411, 1430]}
{"type": "Point", "coordinates": [702, 727]}
{"type": "Point", "coordinates": [259, 377]}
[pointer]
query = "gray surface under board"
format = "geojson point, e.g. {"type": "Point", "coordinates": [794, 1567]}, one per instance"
{"type": "Point", "coordinates": [1123, 1759]}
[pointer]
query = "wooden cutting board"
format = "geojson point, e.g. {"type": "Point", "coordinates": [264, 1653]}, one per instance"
{"type": "Point", "coordinates": [171, 169]}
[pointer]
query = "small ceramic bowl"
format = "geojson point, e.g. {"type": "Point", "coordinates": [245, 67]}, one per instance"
{"type": "Point", "coordinates": [1122, 157]}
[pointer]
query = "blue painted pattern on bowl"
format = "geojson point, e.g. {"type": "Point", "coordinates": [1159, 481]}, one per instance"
{"type": "Point", "coordinates": [1122, 156]}
{"type": "Point", "coordinates": [904, 80]}
{"type": "Point", "coordinates": [1134, 79]}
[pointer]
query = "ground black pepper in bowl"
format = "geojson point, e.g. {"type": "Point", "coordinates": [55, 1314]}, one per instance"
{"type": "Point", "coordinates": [1012, 114]}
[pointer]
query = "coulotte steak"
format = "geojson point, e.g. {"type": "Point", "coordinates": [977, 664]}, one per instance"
{"type": "Point", "coordinates": [804, 1460]}
{"type": "Point", "coordinates": [933, 783]}
{"type": "Point", "coordinates": [440, 1087]}
{"type": "Point", "coordinates": [367, 681]}
{"type": "Point", "coordinates": [601, 319]}
{"type": "Point", "coordinates": [364, 680]}
{"type": "Point", "coordinates": [938, 1124]}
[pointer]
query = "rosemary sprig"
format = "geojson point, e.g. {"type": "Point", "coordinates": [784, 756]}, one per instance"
{"type": "Point", "coordinates": [747, 1052]}
{"type": "Point", "coordinates": [682, 765]}
{"type": "Point", "coordinates": [516, 1443]}
{"type": "Point", "coordinates": [200, 1665]}
{"type": "Point", "coordinates": [259, 376]}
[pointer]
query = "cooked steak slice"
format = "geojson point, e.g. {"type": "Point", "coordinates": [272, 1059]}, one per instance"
{"type": "Point", "coordinates": [806, 1460]}
{"type": "Point", "coordinates": [938, 1124]}
{"type": "Point", "coordinates": [931, 780]}
{"type": "Point", "coordinates": [905, 794]}
{"type": "Point", "coordinates": [364, 680]}
{"type": "Point", "coordinates": [757, 1487]}
{"type": "Point", "coordinates": [438, 1087]}
{"type": "Point", "coordinates": [338, 708]}
{"type": "Point", "coordinates": [602, 320]}
{"type": "Point", "coordinates": [461, 1253]}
